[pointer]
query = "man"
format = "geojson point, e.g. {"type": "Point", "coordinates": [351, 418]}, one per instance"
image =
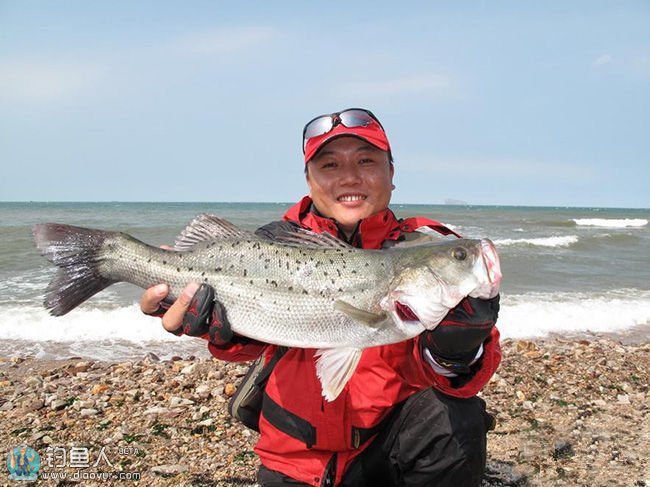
{"type": "Point", "coordinates": [409, 415]}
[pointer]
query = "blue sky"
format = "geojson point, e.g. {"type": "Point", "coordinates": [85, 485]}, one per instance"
{"type": "Point", "coordinates": [505, 103]}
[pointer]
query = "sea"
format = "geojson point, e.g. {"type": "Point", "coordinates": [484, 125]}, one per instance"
{"type": "Point", "coordinates": [567, 272]}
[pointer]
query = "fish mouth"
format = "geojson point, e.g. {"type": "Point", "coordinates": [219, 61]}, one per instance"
{"type": "Point", "coordinates": [491, 260]}
{"type": "Point", "coordinates": [491, 263]}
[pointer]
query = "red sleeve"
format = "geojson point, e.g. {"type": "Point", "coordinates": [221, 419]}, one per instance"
{"type": "Point", "coordinates": [487, 366]}
{"type": "Point", "coordinates": [238, 351]}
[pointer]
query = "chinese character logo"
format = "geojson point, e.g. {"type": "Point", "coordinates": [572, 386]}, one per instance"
{"type": "Point", "coordinates": [79, 457]}
{"type": "Point", "coordinates": [23, 463]}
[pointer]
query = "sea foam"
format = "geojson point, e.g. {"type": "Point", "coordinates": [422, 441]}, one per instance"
{"type": "Point", "coordinates": [124, 332]}
{"type": "Point", "coordinates": [538, 314]}
{"type": "Point", "coordinates": [558, 241]}
{"type": "Point", "coordinates": [611, 222]}
{"type": "Point", "coordinates": [101, 333]}
{"type": "Point", "coordinates": [128, 323]}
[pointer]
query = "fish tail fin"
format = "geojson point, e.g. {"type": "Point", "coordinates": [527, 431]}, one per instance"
{"type": "Point", "coordinates": [76, 251]}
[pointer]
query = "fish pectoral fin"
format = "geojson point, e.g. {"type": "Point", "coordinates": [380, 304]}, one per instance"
{"type": "Point", "coordinates": [207, 227]}
{"type": "Point", "coordinates": [334, 367]}
{"type": "Point", "coordinates": [371, 319]}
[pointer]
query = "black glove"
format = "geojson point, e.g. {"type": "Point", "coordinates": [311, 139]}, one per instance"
{"type": "Point", "coordinates": [206, 315]}
{"type": "Point", "coordinates": [455, 342]}
{"type": "Point", "coordinates": [163, 306]}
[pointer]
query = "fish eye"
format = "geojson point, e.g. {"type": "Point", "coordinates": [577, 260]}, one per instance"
{"type": "Point", "coordinates": [459, 253]}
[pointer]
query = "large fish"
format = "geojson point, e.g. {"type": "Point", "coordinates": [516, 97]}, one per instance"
{"type": "Point", "coordinates": [302, 290]}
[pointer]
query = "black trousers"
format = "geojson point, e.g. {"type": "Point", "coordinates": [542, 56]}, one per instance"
{"type": "Point", "coordinates": [432, 440]}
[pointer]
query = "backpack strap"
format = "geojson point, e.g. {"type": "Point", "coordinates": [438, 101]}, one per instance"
{"type": "Point", "coordinates": [246, 404]}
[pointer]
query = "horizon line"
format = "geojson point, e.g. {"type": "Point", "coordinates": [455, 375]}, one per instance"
{"type": "Point", "coordinates": [465, 205]}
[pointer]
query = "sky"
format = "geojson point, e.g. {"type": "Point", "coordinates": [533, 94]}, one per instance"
{"type": "Point", "coordinates": [490, 103]}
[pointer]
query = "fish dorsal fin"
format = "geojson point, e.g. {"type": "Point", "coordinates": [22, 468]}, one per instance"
{"type": "Point", "coordinates": [301, 237]}
{"type": "Point", "coordinates": [366, 317]}
{"type": "Point", "coordinates": [207, 227]}
{"type": "Point", "coordinates": [334, 367]}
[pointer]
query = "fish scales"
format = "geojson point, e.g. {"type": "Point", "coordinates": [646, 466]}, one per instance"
{"type": "Point", "coordinates": [276, 281]}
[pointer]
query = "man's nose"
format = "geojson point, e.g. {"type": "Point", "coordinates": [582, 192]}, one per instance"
{"type": "Point", "coordinates": [350, 174]}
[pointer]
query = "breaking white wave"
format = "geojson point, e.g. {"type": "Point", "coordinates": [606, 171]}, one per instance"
{"type": "Point", "coordinates": [538, 314]}
{"type": "Point", "coordinates": [563, 241]}
{"type": "Point", "coordinates": [95, 332]}
{"type": "Point", "coordinates": [120, 333]}
{"type": "Point", "coordinates": [611, 222]}
{"type": "Point", "coordinates": [31, 322]}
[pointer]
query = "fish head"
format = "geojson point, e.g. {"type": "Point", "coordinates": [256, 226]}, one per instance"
{"type": "Point", "coordinates": [431, 279]}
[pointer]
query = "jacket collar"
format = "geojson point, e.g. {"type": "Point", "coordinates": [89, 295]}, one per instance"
{"type": "Point", "coordinates": [369, 233]}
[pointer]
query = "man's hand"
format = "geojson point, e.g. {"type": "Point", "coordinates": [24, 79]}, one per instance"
{"type": "Point", "coordinates": [154, 303]}
{"type": "Point", "coordinates": [455, 342]}
{"type": "Point", "coordinates": [194, 313]}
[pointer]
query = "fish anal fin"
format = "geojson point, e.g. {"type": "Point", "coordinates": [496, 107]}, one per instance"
{"type": "Point", "coordinates": [207, 227]}
{"type": "Point", "coordinates": [373, 320]}
{"type": "Point", "coordinates": [334, 367]}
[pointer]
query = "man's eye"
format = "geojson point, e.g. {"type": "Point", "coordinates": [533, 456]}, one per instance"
{"type": "Point", "coordinates": [328, 165]}
{"type": "Point", "coordinates": [366, 161]}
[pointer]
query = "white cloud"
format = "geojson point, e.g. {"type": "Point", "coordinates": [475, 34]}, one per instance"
{"type": "Point", "coordinates": [425, 84]}
{"type": "Point", "coordinates": [602, 60]}
{"type": "Point", "coordinates": [46, 81]}
{"type": "Point", "coordinates": [224, 41]}
{"type": "Point", "coordinates": [49, 80]}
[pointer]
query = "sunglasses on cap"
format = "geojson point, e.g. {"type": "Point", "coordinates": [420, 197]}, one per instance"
{"type": "Point", "coordinates": [350, 118]}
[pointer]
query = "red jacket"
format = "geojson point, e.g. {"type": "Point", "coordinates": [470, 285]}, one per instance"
{"type": "Point", "coordinates": [300, 431]}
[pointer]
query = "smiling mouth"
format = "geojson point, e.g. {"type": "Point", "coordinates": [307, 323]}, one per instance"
{"type": "Point", "coordinates": [351, 197]}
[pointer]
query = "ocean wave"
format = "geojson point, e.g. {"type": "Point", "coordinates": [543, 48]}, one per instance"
{"type": "Point", "coordinates": [29, 286]}
{"type": "Point", "coordinates": [126, 333]}
{"type": "Point", "coordinates": [611, 222]}
{"type": "Point", "coordinates": [557, 241]}
{"type": "Point", "coordinates": [25, 322]}
{"type": "Point", "coordinates": [538, 314]}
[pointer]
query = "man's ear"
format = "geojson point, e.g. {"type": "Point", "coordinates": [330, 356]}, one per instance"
{"type": "Point", "coordinates": [308, 180]}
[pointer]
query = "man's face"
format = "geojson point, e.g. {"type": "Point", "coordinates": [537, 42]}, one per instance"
{"type": "Point", "coordinates": [350, 179]}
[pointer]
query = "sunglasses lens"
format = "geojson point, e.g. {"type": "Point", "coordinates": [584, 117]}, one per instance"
{"type": "Point", "coordinates": [353, 117]}
{"type": "Point", "coordinates": [356, 118]}
{"type": "Point", "coordinates": [317, 127]}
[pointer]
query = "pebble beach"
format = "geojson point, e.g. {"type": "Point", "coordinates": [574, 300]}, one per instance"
{"type": "Point", "coordinates": [570, 411]}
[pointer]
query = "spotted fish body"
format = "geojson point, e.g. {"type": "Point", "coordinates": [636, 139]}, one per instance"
{"type": "Point", "coordinates": [302, 290]}
{"type": "Point", "coordinates": [271, 292]}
